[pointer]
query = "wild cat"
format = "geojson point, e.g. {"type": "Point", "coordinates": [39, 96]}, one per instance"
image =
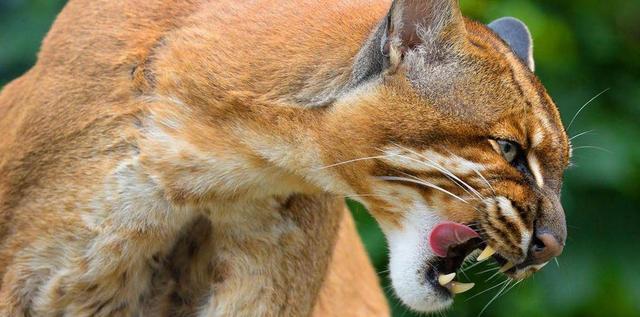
{"type": "Point", "coordinates": [189, 158]}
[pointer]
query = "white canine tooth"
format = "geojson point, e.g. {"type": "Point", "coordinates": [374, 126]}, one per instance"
{"type": "Point", "coordinates": [444, 279]}
{"type": "Point", "coordinates": [457, 287]}
{"type": "Point", "coordinates": [506, 267]}
{"type": "Point", "coordinates": [486, 253]}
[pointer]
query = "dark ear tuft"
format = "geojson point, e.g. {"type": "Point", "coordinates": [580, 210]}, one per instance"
{"type": "Point", "coordinates": [413, 22]}
{"type": "Point", "coordinates": [516, 34]}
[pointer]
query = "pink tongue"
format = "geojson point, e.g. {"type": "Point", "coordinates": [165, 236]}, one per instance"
{"type": "Point", "coordinates": [447, 234]}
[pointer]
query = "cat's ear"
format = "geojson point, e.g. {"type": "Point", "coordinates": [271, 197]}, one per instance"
{"type": "Point", "coordinates": [411, 23]}
{"type": "Point", "coordinates": [516, 34]}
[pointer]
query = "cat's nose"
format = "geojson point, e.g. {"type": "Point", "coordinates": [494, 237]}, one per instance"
{"type": "Point", "coordinates": [544, 247]}
{"type": "Point", "coordinates": [550, 231]}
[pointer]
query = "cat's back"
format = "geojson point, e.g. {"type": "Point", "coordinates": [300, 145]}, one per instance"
{"type": "Point", "coordinates": [101, 55]}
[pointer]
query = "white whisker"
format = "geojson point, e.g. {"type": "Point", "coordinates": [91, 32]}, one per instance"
{"type": "Point", "coordinates": [494, 298]}
{"type": "Point", "coordinates": [510, 288]}
{"type": "Point", "coordinates": [436, 167]}
{"type": "Point", "coordinates": [441, 168]}
{"type": "Point", "coordinates": [486, 290]}
{"type": "Point", "coordinates": [474, 264]}
{"type": "Point", "coordinates": [583, 106]}
{"type": "Point", "coordinates": [422, 182]}
{"type": "Point", "coordinates": [481, 176]}
{"type": "Point", "coordinates": [356, 160]}
{"type": "Point", "coordinates": [593, 147]}
{"type": "Point", "coordinates": [464, 273]}
{"type": "Point", "coordinates": [492, 276]}
{"type": "Point", "coordinates": [485, 180]}
{"type": "Point", "coordinates": [580, 134]}
{"type": "Point", "coordinates": [489, 270]}
{"type": "Point", "coordinates": [369, 195]}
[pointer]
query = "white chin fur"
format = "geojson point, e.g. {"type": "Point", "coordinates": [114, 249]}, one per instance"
{"type": "Point", "coordinates": [409, 253]}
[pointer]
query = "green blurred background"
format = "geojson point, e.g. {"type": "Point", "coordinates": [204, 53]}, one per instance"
{"type": "Point", "coordinates": [582, 47]}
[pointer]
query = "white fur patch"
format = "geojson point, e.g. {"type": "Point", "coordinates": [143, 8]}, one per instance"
{"type": "Point", "coordinates": [407, 160]}
{"type": "Point", "coordinates": [409, 254]}
{"type": "Point", "coordinates": [537, 138]}
{"type": "Point", "coordinates": [452, 163]}
{"type": "Point", "coordinates": [507, 209]}
{"type": "Point", "coordinates": [534, 165]}
{"type": "Point", "coordinates": [544, 125]}
{"type": "Point", "coordinates": [429, 160]}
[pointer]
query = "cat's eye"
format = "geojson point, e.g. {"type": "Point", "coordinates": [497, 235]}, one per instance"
{"type": "Point", "coordinates": [508, 149]}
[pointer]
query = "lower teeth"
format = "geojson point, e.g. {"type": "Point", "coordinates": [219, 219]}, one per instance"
{"type": "Point", "coordinates": [446, 280]}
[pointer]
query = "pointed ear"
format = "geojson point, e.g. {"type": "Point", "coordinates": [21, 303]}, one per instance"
{"type": "Point", "coordinates": [517, 36]}
{"type": "Point", "coordinates": [413, 22]}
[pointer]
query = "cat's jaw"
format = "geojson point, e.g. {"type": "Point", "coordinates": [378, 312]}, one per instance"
{"type": "Point", "coordinates": [409, 259]}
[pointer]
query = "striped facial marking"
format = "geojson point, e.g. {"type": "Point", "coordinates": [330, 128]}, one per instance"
{"type": "Point", "coordinates": [479, 190]}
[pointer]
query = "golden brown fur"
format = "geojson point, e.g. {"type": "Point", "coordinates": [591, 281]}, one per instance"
{"type": "Point", "coordinates": [61, 142]}
{"type": "Point", "coordinates": [189, 157]}
{"type": "Point", "coordinates": [350, 266]}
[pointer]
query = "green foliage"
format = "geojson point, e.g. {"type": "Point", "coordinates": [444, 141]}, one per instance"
{"type": "Point", "coordinates": [582, 47]}
{"type": "Point", "coordinates": [23, 24]}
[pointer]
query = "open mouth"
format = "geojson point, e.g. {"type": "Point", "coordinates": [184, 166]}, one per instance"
{"type": "Point", "coordinates": [453, 243]}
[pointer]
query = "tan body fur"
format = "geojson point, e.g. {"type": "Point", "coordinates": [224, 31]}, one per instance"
{"type": "Point", "coordinates": [73, 123]}
{"type": "Point", "coordinates": [189, 157]}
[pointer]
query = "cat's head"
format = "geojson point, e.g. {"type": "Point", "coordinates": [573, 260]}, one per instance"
{"type": "Point", "coordinates": [453, 145]}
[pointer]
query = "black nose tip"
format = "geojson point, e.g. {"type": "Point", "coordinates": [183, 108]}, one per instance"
{"type": "Point", "coordinates": [544, 247]}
